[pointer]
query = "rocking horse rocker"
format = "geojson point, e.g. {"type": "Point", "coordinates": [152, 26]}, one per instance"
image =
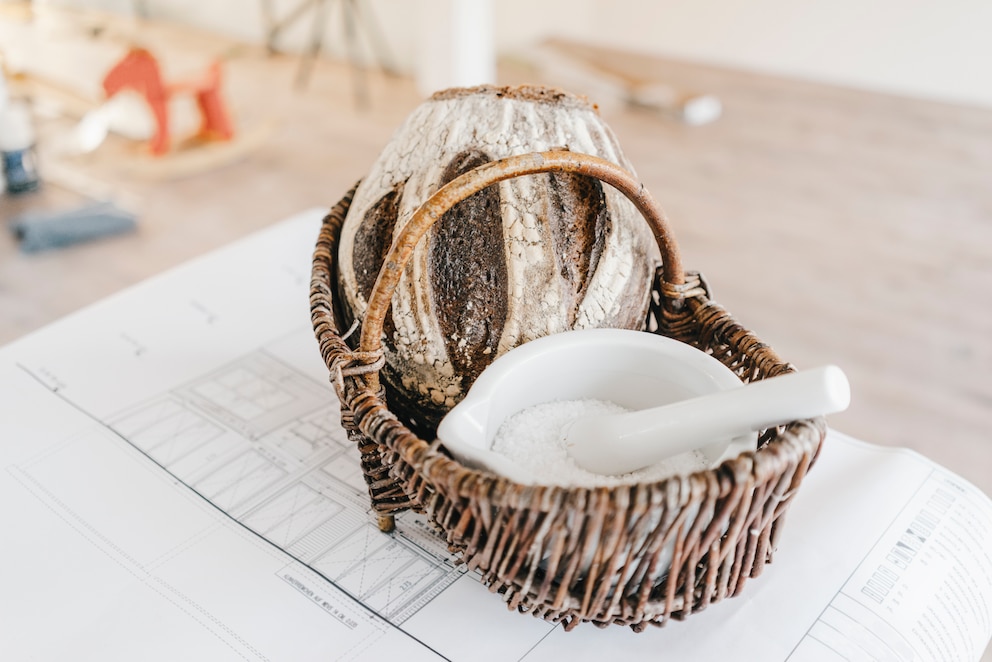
{"type": "Point", "coordinates": [139, 71]}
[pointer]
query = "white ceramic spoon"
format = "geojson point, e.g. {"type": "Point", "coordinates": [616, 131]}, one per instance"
{"type": "Point", "coordinates": [620, 443]}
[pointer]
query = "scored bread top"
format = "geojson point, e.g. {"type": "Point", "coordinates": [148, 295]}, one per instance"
{"type": "Point", "coordinates": [535, 93]}
{"type": "Point", "coordinates": [522, 259]}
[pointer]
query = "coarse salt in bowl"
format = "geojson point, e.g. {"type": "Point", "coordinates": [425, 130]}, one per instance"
{"type": "Point", "coordinates": [633, 369]}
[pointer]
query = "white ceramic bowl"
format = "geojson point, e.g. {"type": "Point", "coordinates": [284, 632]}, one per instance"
{"type": "Point", "coordinates": [634, 369]}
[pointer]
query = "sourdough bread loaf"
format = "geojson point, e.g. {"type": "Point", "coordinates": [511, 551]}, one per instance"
{"type": "Point", "coordinates": [520, 260]}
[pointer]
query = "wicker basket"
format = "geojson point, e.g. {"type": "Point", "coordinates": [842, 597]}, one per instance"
{"type": "Point", "coordinates": [570, 554]}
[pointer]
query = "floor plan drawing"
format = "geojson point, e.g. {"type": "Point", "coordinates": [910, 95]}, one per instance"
{"type": "Point", "coordinates": [262, 442]}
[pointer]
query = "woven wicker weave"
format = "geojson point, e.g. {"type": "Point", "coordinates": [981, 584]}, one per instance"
{"type": "Point", "coordinates": [569, 554]}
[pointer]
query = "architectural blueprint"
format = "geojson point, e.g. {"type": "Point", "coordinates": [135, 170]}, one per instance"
{"type": "Point", "coordinates": [263, 443]}
{"type": "Point", "coordinates": [175, 484]}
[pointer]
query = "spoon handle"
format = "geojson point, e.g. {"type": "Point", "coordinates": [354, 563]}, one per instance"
{"type": "Point", "coordinates": [620, 443]}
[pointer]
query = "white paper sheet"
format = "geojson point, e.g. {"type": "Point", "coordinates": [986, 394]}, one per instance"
{"type": "Point", "coordinates": [175, 485]}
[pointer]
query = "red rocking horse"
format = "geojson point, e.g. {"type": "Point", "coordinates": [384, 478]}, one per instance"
{"type": "Point", "coordinates": [140, 72]}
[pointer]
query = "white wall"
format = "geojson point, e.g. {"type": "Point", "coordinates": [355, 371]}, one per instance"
{"type": "Point", "coordinates": [924, 48]}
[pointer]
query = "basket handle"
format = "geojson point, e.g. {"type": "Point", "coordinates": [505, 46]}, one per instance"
{"type": "Point", "coordinates": [482, 177]}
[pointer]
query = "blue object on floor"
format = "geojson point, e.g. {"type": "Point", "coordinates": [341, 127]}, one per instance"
{"type": "Point", "coordinates": [19, 170]}
{"type": "Point", "coordinates": [39, 231]}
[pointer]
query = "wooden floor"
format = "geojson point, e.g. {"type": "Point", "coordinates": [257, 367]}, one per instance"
{"type": "Point", "coordinates": [843, 226]}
